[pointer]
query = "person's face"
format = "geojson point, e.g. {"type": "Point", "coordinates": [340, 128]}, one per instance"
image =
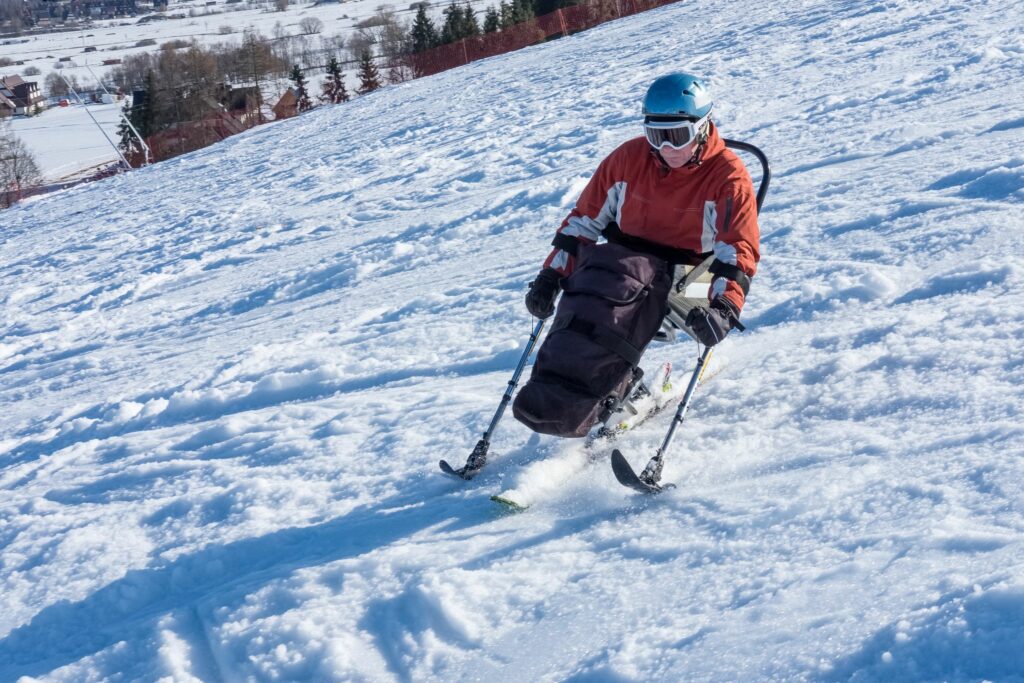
{"type": "Point", "coordinates": [676, 158]}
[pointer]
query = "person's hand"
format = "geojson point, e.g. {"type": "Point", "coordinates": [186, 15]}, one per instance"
{"type": "Point", "coordinates": [711, 324]}
{"type": "Point", "coordinates": [540, 300]}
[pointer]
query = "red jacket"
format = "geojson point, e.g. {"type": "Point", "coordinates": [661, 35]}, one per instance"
{"type": "Point", "coordinates": [705, 208]}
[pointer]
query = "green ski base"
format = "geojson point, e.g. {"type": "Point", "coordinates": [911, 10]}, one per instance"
{"type": "Point", "coordinates": [508, 504]}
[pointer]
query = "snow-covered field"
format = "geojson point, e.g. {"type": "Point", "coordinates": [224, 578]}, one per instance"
{"type": "Point", "coordinates": [117, 38]}
{"type": "Point", "coordinates": [66, 140]}
{"type": "Point", "coordinates": [227, 380]}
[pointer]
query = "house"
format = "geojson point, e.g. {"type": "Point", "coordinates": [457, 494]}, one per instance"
{"type": "Point", "coordinates": [287, 106]}
{"type": "Point", "coordinates": [24, 94]}
{"type": "Point", "coordinates": [232, 110]}
{"type": "Point", "coordinates": [108, 9]}
{"type": "Point", "coordinates": [242, 103]}
{"type": "Point", "coordinates": [7, 107]}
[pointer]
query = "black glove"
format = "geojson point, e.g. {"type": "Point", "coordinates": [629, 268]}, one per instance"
{"type": "Point", "coordinates": [713, 323]}
{"type": "Point", "coordinates": [540, 300]}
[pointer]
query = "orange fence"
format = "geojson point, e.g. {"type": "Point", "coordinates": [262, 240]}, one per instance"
{"type": "Point", "coordinates": [189, 136]}
{"type": "Point", "coordinates": [10, 196]}
{"type": "Point", "coordinates": [561, 22]}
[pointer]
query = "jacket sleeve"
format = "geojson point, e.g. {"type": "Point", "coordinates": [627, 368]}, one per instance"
{"type": "Point", "coordinates": [598, 205]}
{"type": "Point", "coordinates": [737, 241]}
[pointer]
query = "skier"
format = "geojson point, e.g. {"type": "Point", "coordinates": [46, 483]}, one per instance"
{"type": "Point", "coordinates": [672, 196]}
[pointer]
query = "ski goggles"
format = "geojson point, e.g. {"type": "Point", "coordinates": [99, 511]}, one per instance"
{"type": "Point", "coordinates": [677, 133]}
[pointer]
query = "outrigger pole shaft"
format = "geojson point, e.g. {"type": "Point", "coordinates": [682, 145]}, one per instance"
{"type": "Point", "coordinates": [478, 457]}
{"type": "Point", "coordinates": [652, 472]}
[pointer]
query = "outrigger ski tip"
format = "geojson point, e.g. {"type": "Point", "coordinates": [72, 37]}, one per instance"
{"type": "Point", "coordinates": [462, 473]}
{"type": "Point", "coordinates": [474, 463]}
{"type": "Point", "coordinates": [627, 477]}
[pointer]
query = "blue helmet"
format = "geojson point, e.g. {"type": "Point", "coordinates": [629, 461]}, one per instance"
{"type": "Point", "coordinates": [678, 95]}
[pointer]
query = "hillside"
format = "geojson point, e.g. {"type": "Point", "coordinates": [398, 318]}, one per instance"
{"type": "Point", "coordinates": [227, 379]}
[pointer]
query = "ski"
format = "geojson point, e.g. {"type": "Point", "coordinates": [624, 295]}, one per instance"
{"type": "Point", "coordinates": [642, 405]}
{"type": "Point", "coordinates": [509, 504]}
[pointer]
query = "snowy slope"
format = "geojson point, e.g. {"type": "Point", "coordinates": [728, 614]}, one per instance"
{"type": "Point", "coordinates": [227, 378]}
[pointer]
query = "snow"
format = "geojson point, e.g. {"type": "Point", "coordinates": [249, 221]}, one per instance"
{"type": "Point", "coordinates": [227, 379]}
{"type": "Point", "coordinates": [65, 141]}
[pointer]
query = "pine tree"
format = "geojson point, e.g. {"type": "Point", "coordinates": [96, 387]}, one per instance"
{"type": "Point", "coordinates": [522, 11]}
{"type": "Point", "coordinates": [492, 21]}
{"type": "Point", "coordinates": [451, 31]}
{"type": "Point", "coordinates": [542, 7]}
{"type": "Point", "coordinates": [334, 90]}
{"type": "Point", "coordinates": [302, 100]}
{"type": "Point", "coordinates": [369, 77]}
{"type": "Point", "coordinates": [507, 15]}
{"type": "Point", "coordinates": [470, 26]}
{"type": "Point", "coordinates": [423, 35]}
{"type": "Point", "coordinates": [145, 114]}
{"type": "Point", "coordinates": [127, 142]}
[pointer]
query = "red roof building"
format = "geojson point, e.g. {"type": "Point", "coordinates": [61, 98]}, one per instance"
{"type": "Point", "coordinates": [287, 106]}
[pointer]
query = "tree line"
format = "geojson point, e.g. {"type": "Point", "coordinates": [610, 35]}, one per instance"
{"type": "Point", "coordinates": [176, 85]}
{"type": "Point", "coordinates": [185, 81]}
{"type": "Point", "coordinates": [460, 21]}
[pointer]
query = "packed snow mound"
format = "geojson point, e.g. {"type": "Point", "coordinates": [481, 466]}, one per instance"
{"type": "Point", "coordinates": [227, 380]}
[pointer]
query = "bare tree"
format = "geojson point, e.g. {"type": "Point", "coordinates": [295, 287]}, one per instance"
{"type": "Point", "coordinates": [131, 75]}
{"type": "Point", "coordinates": [257, 57]}
{"type": "Point", "coordinates": [303, 50]}
{"type": "Point", "coordinates": [359, 42]}
{"type": "Point", "coordinates": [201, 80]}
{"type": "Point", "coordinates": [392, 37]}
{"type": "Point", "coordinates": [332, 46]}
{"type": "Point", "coordinates": [55, 86]}
{"type": "Point", "coordinates": [311, 25]}
{"type": "Point", "coordinates": [18, 170]}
